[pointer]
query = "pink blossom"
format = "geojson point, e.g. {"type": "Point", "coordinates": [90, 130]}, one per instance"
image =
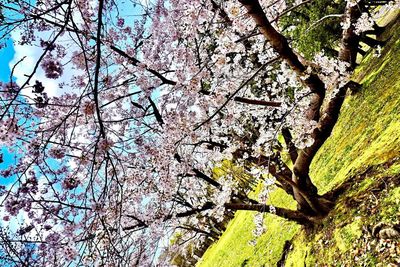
{"type": "Point", "coordinates": [52, 68]}
{"type": "Point", "coordinates": [70, 183]}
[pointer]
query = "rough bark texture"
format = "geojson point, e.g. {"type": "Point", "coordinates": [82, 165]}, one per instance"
{"type": "Point", "coordinates": [350, 40]}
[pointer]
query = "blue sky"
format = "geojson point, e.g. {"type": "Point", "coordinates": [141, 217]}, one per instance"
{"type": "Point", "coordinates": [6, 55]}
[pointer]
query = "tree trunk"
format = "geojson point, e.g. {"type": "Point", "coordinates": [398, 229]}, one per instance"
{"type": "Point", "coordinates": [304, 190]}
{"type": "Point", "coordinates": [310, 204]}
{"type": "Point", "coordinates": [281, 46]}
{"type": "Point", "coordinates": [350, 40]}
{"type": "Point", "coordinates": [320, 134]}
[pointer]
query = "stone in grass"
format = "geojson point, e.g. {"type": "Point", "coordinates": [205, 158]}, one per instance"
{"type": "Point", "coordinates": [384, 231]}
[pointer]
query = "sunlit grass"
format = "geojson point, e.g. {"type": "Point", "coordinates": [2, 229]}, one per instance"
{"type": "Point", "coordinates": [233, 248]}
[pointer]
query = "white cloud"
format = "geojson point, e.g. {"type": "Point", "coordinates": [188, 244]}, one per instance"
{"type": "Point", "coordinates": [31, 54]}
{"type": "Point", "coordinates": [145, 3]}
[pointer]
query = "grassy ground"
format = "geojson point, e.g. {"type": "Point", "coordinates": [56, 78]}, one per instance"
{"type": "Point", "coordinates": [362, 153]}
{"type": "Point", "coordinates": [233, 248]}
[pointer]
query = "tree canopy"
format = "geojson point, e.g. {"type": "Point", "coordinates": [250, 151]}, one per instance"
{"type": "Point", "coordinates": [121, 117]}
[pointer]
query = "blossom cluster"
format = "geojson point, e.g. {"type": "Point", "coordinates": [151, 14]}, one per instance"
{"type": "Point", "coordinates": [52, 67]}
{"type": "Point", "coordinates": [364, 23]}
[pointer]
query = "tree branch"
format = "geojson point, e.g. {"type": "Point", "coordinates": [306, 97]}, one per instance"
{"type": "Point", "coordinates": [350, 40]}
{"type": "Point", "coordinates": [97, 70]}
{"type": "Point", "coordinates": [291, 215]}
{"type": "Point", "coordinates": [221, 12]}
{"type": "Point", "coordinates": [287, 136]}
{"type": "Point", "coordinates": [257, 102]}
{"type": "Point", "coordinates": [234, 93]}
{"type": "Point", "coordinates": [135, 62]}
{"type": "Point", "coordinates": [156, 112]}
{"type": "Point", "coordinates": [281, 46]}
{"type": "Point", "coordinates": [207, 178]}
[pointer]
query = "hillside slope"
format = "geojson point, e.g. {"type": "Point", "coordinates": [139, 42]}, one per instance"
{"type": "Point", "coordinates": [363, 156]}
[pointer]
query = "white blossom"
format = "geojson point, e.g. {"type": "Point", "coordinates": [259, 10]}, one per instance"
{"type": "Point", "coordinates": [364, 23]}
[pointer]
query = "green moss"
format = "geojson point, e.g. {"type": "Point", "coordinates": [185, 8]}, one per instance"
{"type": "Point", "coordinates": [322, 250]}
{"type": "Point", "coordinates": [391, 212]}
{"type": "Point", "coordinates": [389, 16]}
{"type": "Point", "coordinates": [297, 257]}
{"type": "Point", "coordinates": [280, 198]}
{"type": "Point", "coordinates": [394, 169]}
{"type": "Point", "coordinates": [367, 130]}
{"type": "Point", "coordinates": [233, 248]}
{"type": "Point", "coordinates": [366, 184]}
{"type": "Point", "coordinates": [372, 75]}
{"type": "Point", "coordinates": [345, 236]}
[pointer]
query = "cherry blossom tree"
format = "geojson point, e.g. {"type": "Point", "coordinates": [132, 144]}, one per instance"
{"type": "Point", "coordinates": [158, 95]}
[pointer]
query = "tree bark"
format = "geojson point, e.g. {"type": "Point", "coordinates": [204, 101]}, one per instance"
{"type": "Point", "coordinates": [287, 136]}
{"type": "Point", "coordinates": [350, 40]}
{"type": "Point", "coordinates": [320, 134]}
{"type": "Point", "coordinates": [291, 215]}
{"type": "Point", "coordinates": [371, 42]}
